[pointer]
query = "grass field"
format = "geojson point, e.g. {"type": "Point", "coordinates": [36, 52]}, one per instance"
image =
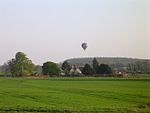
{"type": "Point", "coordinates": [74, 95]}
{"type": "Point", "coordinates": [4, 73]}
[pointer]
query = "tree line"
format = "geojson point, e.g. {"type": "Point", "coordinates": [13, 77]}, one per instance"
{"type": "Point", "coordinates": [21, 65]}
{"type": "Point", "coordinates": [119, 64]}
{"type": "Point", "coordinates": [139, 67]}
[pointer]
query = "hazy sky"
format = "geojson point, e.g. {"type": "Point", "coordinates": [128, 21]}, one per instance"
{"type": "Point", "coordinates": [53, 30]}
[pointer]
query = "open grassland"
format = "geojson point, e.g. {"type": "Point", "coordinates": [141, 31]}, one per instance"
{"type": "Point", "coordinates": [74, 95]}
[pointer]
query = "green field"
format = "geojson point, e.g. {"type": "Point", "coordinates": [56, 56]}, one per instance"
{"type": "Point", "coordinates": [4, 73]}
{"type": "Point", "coordinates": [74, 95]}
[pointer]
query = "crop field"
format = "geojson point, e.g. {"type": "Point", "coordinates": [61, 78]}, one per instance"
{"type": "Point", "coordinates": [74, 95]}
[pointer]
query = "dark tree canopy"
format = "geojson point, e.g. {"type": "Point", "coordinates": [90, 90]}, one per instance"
{"type": "Point", "coordinates": [50, 68]}
{"type": "Point", "coordinates": [95, 66]}
{"type": "Point", "coordinates": [66, 67]}
{"type": "Point", "coordinates": [20, 65]}
{"type": "Point", "coordinates": [87, 70]}
{"type": "Point", "coordinates": [104, 69]}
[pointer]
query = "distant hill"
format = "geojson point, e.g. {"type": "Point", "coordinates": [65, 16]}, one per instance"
{"type": "Point", "coordinates": [107, 60]}
{"type": "Point", "coordinates": [117, 63]}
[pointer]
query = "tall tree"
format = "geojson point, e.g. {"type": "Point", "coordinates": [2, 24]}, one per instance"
{"type": "Point", "coordinates": [87, 70]}
{"type": "Point", "coordinates": [50, 68]}
{"type": "Point", "coordinates": [104, 69]}
{"type": "Point", "coordinates": [66, 67]}
{"type": "Point", "coordinates": [95, 66]}
{"type": "Point", "coordinates": [20, 65]}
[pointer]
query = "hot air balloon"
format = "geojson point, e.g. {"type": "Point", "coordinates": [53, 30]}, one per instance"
{"type": "Point", "coordinates": [84, 46]}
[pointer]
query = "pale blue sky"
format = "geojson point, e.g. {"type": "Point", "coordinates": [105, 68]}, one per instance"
{"type": "Point", "coordinates": [53, 30]}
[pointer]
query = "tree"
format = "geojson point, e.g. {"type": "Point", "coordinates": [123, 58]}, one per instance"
{"type": "Point", "coordinates": [50, 68]}
{"type": "Point", "coordinates": [87, 70]}
{"type": "Point", "coordinates": [141, 66]}
{"type": "Point", "coordinates": [95, 66]}
{"type": "Point", "coordinates": [20, 65]}
{"type": "Point", "coordinates": [66, 67]}
{"type": "Point", "coordinates": [104, 69]}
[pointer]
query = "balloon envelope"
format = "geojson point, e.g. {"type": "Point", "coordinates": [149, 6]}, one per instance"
{"type": "Point", "coordinates": [84, 46]}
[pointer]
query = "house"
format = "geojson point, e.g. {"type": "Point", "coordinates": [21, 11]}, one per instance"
{"type": "Point", "coordinates": [75, 70]}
